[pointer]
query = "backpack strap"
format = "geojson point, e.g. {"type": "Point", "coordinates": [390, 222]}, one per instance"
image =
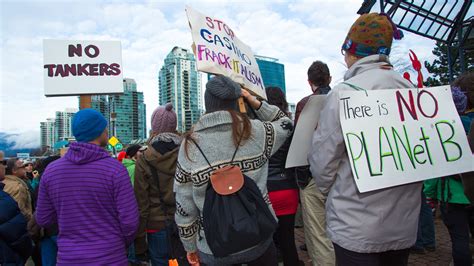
{"type": "Point", "coordinates": [200, 150]}
{"type": "Point", "coordinates": [237, 148]}
{"type": "Point", "coordinates": [233, 156]}
{"type": "Point", "coordinates": [163, 206]}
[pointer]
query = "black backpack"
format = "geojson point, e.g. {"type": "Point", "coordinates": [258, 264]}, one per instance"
{"type": "Point", "coordinates": [235, 215]}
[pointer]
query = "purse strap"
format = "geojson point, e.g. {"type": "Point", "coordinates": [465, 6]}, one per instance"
{"type": "Point", "coordinates": [163, 206]}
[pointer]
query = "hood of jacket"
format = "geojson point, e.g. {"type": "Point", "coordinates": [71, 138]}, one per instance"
{"type": "Point", "coordinates": [128, 162]}
{"type": "Point", "coordinates": [83, 153]}
{"type": "Point", "coordinates": [367, 63]}
{"type": "Point", "coordinates": [162, 152]}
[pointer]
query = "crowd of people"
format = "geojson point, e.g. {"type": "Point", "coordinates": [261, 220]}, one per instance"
{"type": "Point", "coordinates": [221, 195]}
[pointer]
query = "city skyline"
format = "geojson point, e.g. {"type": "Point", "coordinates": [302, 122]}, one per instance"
{"type": "Point", "coordinates": [316, 34]}
{"type": "Point", "coordinates": [179, 83]}
{"type": "Point", "coordinates": [128, 125]}
{"type": "Point", "coordinates": [56, 129]}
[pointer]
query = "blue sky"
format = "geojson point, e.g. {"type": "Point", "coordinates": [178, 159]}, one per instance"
{"type": "Point", "coordinates": [296, 32]}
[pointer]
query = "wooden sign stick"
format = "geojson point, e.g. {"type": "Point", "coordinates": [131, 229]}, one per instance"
{"type": "Point", "coordinates": [85, 101]}
{"type": "Point", "coordinates": [242, 107]}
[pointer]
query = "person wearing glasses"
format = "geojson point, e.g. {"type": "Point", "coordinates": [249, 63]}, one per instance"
{"type": "Point", "coordinates": [15, 243]}
{"type": "Point", "coordinates": [16, 186]}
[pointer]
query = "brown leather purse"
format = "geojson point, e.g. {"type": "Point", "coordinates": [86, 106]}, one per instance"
{"type": "Point", "coordinates": [227, 180]}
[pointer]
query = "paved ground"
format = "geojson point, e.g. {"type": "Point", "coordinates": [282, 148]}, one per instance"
{"type": "Point", "coordinates": [441, 257]}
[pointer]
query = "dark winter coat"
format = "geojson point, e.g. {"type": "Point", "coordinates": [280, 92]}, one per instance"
{"type": "Point", "coordinates": [15, 242]}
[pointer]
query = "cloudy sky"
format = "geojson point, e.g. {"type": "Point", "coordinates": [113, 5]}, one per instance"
{"type": "Point", "coordinates": [296, 33]}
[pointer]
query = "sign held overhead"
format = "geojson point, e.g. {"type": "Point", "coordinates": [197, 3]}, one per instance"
{"type": "Point", "coordinates": [73, 67]}
{"type": "Point", "coordinates": [219, 51]}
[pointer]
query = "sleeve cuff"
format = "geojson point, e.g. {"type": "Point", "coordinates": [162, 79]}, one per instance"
{"type": "Point", "coordinates": [190, 245]}
{"type": "Point", "coordinates": [266, 111]}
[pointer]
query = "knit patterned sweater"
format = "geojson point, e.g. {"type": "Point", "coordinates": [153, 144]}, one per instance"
{"type": "Point", "coordinates": [213, 133]}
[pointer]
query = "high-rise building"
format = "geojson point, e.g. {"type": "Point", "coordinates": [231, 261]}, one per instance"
{"type": "Point", "coordinates": [48, 136]}
{"type": "Point", "coordinates": [63, 124]}
{"type": "Point", "coordinates": [100, 103]}
{"type": "Point", "coordinates": [130, 113]}
{"type": "Point", "coordinates": [180, 84]}
{"type": "Point", "coordinates": [273, 73]}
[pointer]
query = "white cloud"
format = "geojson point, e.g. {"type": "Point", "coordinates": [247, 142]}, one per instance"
{"type": "Point", "coordinates": [297, 33]}
{"type": "Point", "coordinates": [24, 139]}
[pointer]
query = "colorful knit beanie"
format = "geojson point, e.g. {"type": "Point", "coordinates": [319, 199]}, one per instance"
{"type": "Point", "coordinates": [371, 34]}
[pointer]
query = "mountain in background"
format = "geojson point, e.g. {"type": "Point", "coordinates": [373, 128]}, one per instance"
{"type": "Point", "coordinates": [10, 147]}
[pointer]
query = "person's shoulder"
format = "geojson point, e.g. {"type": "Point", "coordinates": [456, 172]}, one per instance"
{"type": "Point", "coordinates": [57, 163]}
{"type": "Point", "coordinates": [112, 163]}
{"type": "Point", "coordinates": [11, 180]}
{"type": "Point", "coordinates": [8, 206]}
{"type": "Point", "coordinates": [304, 100]}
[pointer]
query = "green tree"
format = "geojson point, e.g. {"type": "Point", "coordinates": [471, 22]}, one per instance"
{"type": "Point", "coordinates": [439, 67]}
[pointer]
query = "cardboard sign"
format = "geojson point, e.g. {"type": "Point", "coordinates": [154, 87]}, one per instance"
{"type": "Point", "coordinates": [303, 136]}
{"type": "Point", "coordinates": [395, 137]}
{"type": "Point", "coordinates": [219, 51]}
{"type": "Point", "coordinates": [82, 67]}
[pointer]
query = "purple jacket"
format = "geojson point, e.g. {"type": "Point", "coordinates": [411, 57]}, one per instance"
{"type": "Point", "coordinates": [90, 196]}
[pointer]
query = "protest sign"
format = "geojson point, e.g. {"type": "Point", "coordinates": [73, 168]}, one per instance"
{"type": "Point", "coordinates": [219, 51]}
{"type": "Point", "coordinates": [395, 137]}
{"type": "Point", "coordinates": [303, 136]}
{"type": "Point", "coordinates": [74, 67]}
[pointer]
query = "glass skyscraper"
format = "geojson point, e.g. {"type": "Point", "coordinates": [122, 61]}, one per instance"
{"type": "Point", "coordinates": [273, 73]}
{"type": "Point", "coordinates": [57, 129]}
{"type": "Point", "coordinates": [101, 104]}
{"type": "Point", "coordinates": [63, 124]}
{"type": "Point", "coordinates": [180, 84]}
{"type": "Point", "coordinates": [48, 134]}
{"type": "Point", "coordinates": [130, 112]}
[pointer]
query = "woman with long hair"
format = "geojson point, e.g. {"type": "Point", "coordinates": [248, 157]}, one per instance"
{"type": "Point", "coordinates": [221, 133]}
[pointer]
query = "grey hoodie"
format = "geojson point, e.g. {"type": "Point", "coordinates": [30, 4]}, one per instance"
{"type": "Point", "coordinates": [371, 222]}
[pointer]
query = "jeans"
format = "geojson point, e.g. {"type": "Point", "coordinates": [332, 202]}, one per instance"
{"type": "Point", "coordinates": [49, 250]}
{"type": "Point", "coordinates": [456, 219]}
{"type": "Point", "coordinates": [132, 259]}
{"type": "Point", "coordinates": [158, 248]}
{"type": "Point", "coordinates": [346, 257]}
{"type": "Point", "coordinates": [426, 229]}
